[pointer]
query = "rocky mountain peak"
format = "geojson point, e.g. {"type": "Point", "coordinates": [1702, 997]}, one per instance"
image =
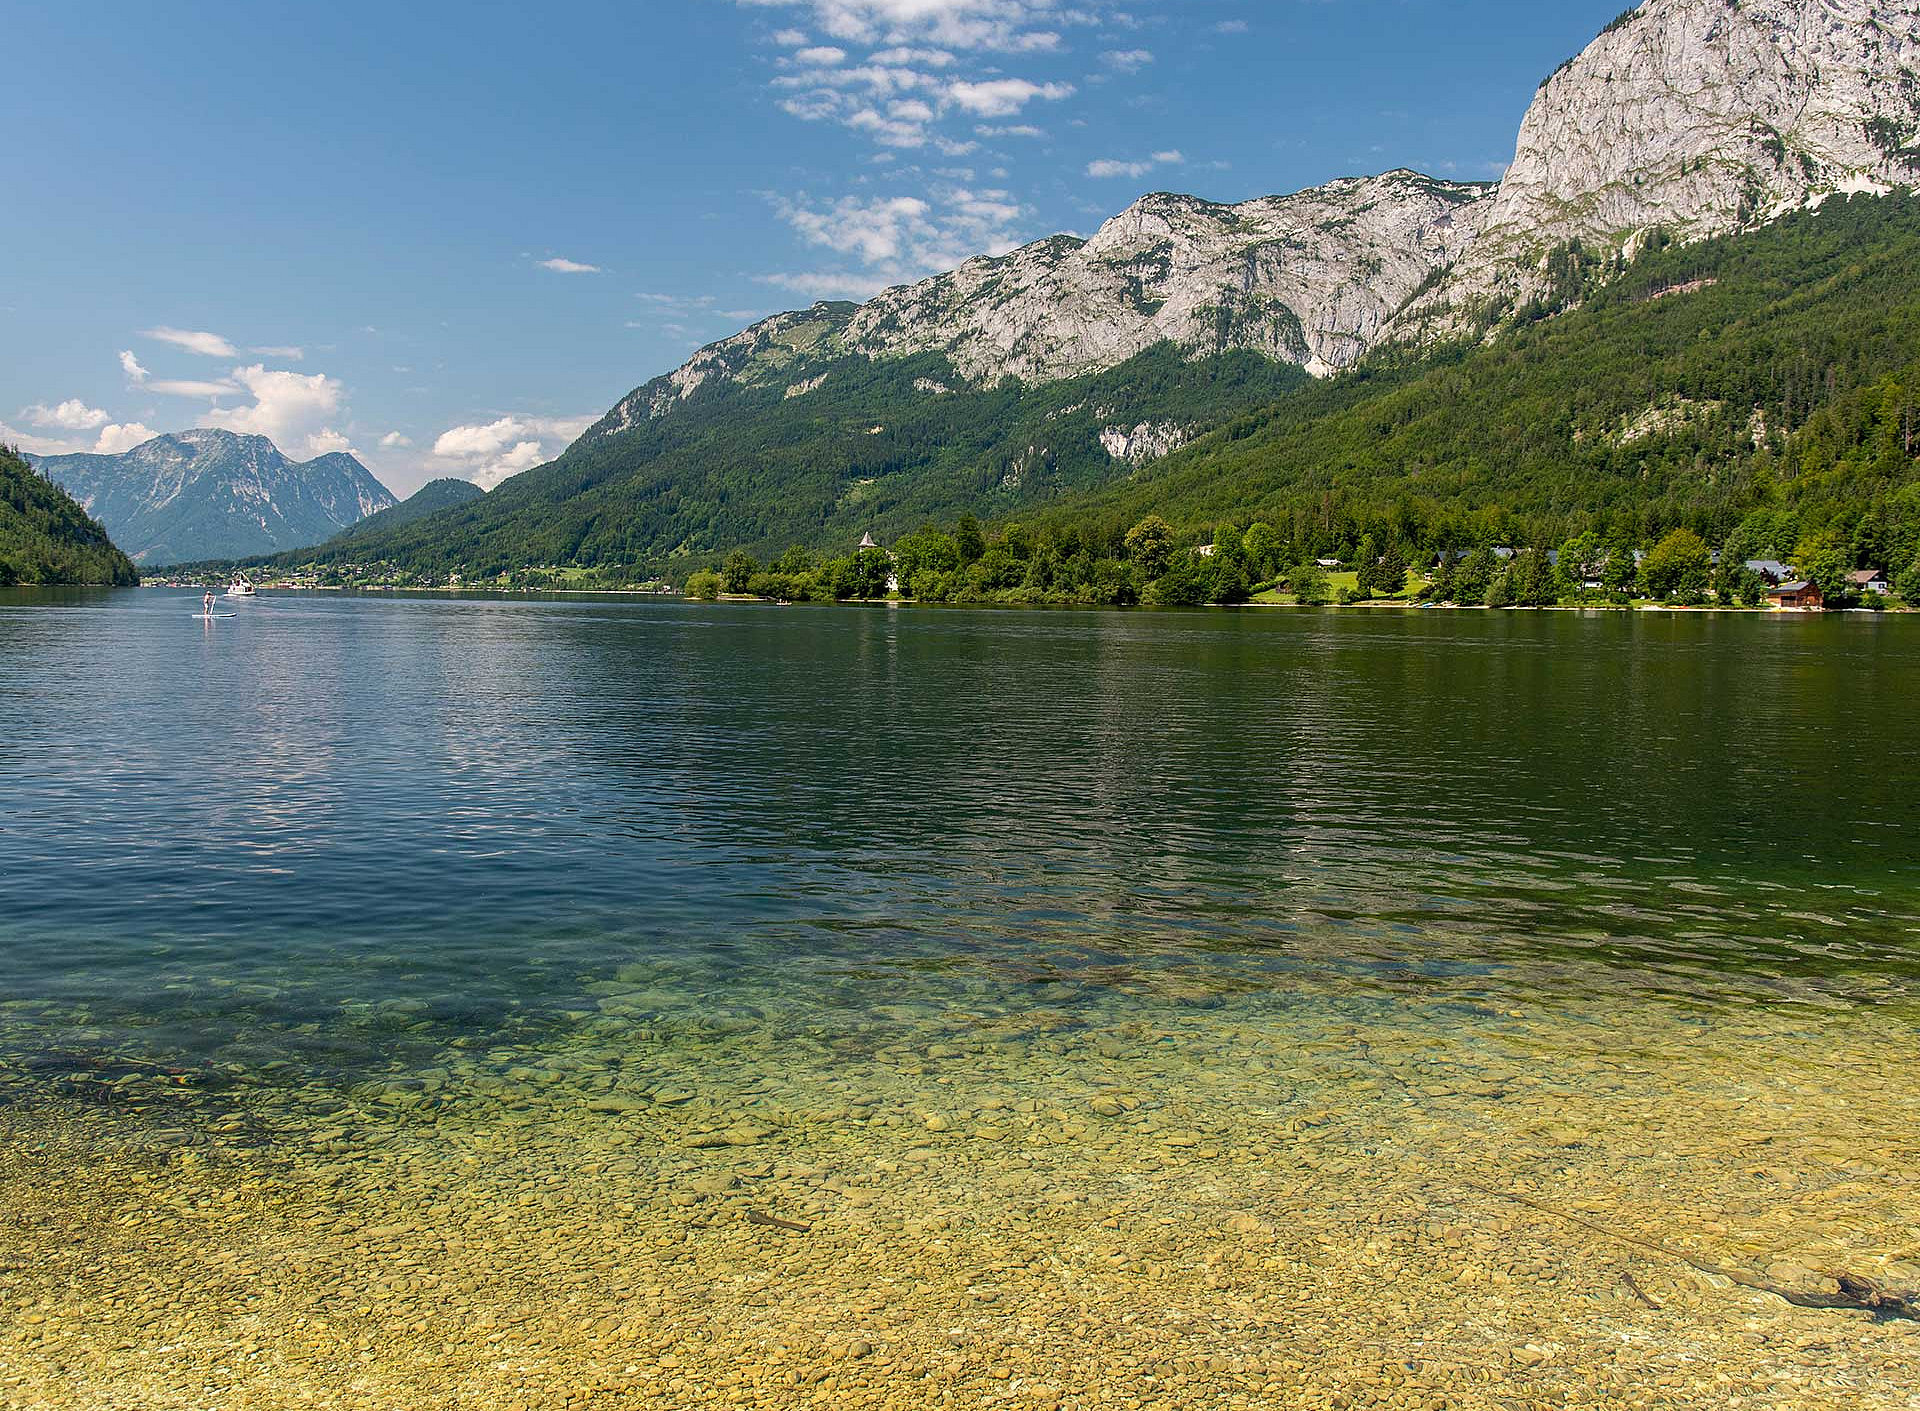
{"type": "Point", "coordinates": [1699, 117]}
{"type": "Point", "coordinates": [1693, 117]}
{"type": "Point", "coordinates": [212, 493]}
{"type": "Point", "coordinates": [1308, 278]}
{"type": "Point", "coordinates": [1157, 216]}
{"type": "Point", "coordinates": [208, 436]}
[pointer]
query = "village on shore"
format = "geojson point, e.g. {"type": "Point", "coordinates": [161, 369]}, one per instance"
{"type": "Point", "coordinates": [1252, 568]}
{"type": "Point", "coordinates": [1678, 572]}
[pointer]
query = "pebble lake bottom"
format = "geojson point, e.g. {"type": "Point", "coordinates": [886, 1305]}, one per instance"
{"type": "Point", "coordinates": [483, 1003]}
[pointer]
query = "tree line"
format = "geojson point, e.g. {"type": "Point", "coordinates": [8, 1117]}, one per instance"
{"type": "Point", "coordinates": [1018, 565]}
{"type": "Point", "coordinates": [1760, 393]}
{"type": "Point", "coordinates": [45, 537]}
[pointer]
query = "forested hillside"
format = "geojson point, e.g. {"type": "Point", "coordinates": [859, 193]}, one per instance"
{"type": "Point", "coordinates": [431, 498]}
{"type": "Point", "coordinates": [1759, 394]}
{"type": "Point", "coordinates": [47, 538]}
{"type": "Point", "coordinates": [1774, 374]}
{"type": "Point", "coordinates": [870, 448]}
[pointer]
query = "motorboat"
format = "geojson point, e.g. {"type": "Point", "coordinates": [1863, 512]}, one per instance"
{"type": "Point", "coordinates": [240, 589]}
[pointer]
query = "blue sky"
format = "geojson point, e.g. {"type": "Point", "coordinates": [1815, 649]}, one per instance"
{"type": "Point", "coordinates": [448, 236]}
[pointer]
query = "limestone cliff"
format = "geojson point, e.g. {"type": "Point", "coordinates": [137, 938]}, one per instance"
{"type": "Point", "coordinates": [1309, 279]}
{"type": "Point", "coordinates": [1687, 117]}
{"type": "Point", "coordinates": [1694, 118]}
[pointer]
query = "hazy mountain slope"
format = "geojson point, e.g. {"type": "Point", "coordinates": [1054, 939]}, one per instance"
{"type": "Point", "coordinates": [212, 494]}
{"type": "Point", "coordinates": [45, 537]}
{"type": "Point", "coordinates": [431, 498]}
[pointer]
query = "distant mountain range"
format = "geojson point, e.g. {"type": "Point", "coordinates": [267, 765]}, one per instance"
{"type": "Point", "coordinates": [212, 494]}
{"type": "Point", "coordinates": [46, 538]}
{"type": "Point", "coordinates": [1070, 367]}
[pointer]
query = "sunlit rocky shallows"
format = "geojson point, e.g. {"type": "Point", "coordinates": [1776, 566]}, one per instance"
{"type": "Point", "coordinates": [590, 1004]}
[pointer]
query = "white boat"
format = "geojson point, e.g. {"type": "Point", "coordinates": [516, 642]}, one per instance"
{"type": "Point", "coordinates": [240, 589]}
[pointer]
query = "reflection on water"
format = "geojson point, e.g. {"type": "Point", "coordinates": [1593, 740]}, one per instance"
{"type": "Point", "coordinates": [437, 997]}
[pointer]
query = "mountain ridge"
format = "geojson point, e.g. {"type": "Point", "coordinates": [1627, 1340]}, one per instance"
{"type": "Point", "coordinates": [436, 495]}
{"type": "Point", "coordinates": [1206, 276]}
{"type": "Point", "coordinates": [208, 493]}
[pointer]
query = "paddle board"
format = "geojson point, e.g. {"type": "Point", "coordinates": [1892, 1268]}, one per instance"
{"type": "Point", "coordinates": [204, 616]}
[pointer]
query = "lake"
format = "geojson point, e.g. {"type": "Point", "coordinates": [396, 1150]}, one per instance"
{"type": "Point", "coordinates": [608, 1001]}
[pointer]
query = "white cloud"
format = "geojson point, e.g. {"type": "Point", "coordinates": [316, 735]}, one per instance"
{"type": "Point", "coordinates": [192, 387]}
{"type": "Point", "coordinates": [489, 452]}
{"type": "Point", "coordinates": [394, 441]}
{"type": "Point", "coordinates": [1127, 60]}
{"type": "Point", "coordinates": [875, 231]}
{"type": "Point", "coordinates": [889, 132]}
{"type": "Point", "coordinates": [1003, 97]}
{"type": "Point", "coordinates": [1017, 26]}
{"type": "Point", "coordinates": [1231, 27]}
{"type": "Point", "coordinates": [479, 439]}
{"type": "Point", "coordinates": [908, 57]}
{"type": "Point", "coordinates": [207, 345]}
{"type": "Point", "coordinates": [898, 238]}
{"type": "Point", "coordinates": [112, 440]}
{"type": "Point", "coordinates": [857, 287]}
{"type": "Point", "coordinates": [293, 410]}
{"type": "Point", "coordinates": [130, 365]}
{"type": "Point", "coordinates": [917, 49]}
{"type": "Point", "coordinates": [124, 437]}
{"type": "Point", "coordinates": [70, 415]}
{"type": "Point", "coordinates": [291, 354]}
{"type": "Point", "coordinates": [525, 455]}
{"type": "Point", "coordinates": [36, 445]}
{"type": "Point", "coordinates": [1017, 130]}
{"type": "Point", "coordinates": [560, 265]}
{"type": "Point", "coordinates": [1110, 166]}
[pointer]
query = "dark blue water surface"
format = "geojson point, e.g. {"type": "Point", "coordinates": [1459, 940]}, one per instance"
{"type": "Point", "coordinates": [481, 806]}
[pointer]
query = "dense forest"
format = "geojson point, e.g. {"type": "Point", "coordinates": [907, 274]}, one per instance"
{"type": "Point", "coordinates": [46, 538]}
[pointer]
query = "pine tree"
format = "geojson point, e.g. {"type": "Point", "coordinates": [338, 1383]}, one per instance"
{"type": "Point", "coordinates": [1390, 579]}
{"type": "Point", "coordinates": [1367, 576]}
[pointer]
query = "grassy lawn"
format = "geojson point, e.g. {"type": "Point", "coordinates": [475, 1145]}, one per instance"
{"type": "Point", "coordinates": [1335, 582]}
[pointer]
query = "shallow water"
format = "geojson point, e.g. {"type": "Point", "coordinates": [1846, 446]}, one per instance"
{"type": "Point", "coordinates": [417, 1001]}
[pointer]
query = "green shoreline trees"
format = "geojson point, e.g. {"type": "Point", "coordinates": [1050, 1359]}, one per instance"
{"type": "Point", "coordinates": [46, 538]}
{"type": "Point", "coordinates": [1759, 395]}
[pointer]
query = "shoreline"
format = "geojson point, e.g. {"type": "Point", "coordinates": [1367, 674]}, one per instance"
{"type": "Point", "coordinates": [745, 600]}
